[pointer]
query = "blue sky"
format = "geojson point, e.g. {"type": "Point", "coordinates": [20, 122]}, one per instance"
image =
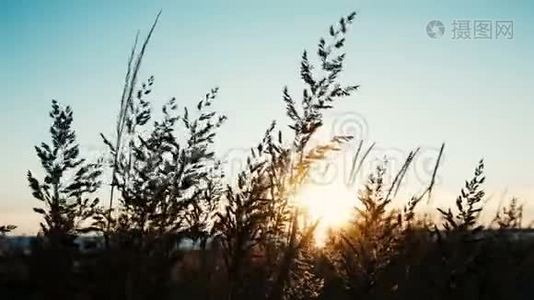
{"type": "Point", "coordinates": [475, 95]}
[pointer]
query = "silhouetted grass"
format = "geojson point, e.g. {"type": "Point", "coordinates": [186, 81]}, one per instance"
{"type": "Point", "coordinates": [248, 237]}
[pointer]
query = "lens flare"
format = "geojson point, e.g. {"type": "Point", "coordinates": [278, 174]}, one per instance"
{"type": "Point", "coordinates": [332, 205]}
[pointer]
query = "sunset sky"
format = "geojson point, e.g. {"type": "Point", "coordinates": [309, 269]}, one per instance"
{"type": "Point", "coordinates": [476, 95]}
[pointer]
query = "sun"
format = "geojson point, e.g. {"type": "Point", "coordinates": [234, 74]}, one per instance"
{"type": "Point", "coordinates": [332, 205]}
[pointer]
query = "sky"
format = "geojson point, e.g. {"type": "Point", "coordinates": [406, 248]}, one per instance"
{"type": "Point", "coordinates": [476, 95]}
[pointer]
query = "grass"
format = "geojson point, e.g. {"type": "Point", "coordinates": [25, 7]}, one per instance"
{"type": "Point", "coordinates": [252, 240]}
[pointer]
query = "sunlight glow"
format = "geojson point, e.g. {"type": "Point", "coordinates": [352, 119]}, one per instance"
{"type": "Point", "coordinates": [332, 205]}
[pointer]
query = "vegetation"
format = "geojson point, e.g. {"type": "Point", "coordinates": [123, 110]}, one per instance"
{"type": "Point", "coordinates": [248, 237]}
